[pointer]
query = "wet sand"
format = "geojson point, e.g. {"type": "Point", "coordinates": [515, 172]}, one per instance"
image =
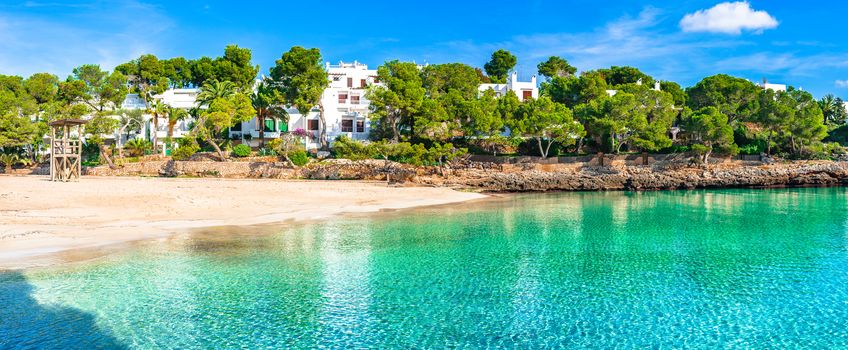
{"type": "Point", "coordinates": [39, 217]}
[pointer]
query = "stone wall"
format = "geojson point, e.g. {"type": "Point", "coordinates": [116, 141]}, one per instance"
{"type": "Point", "coordinates": [171, 168]}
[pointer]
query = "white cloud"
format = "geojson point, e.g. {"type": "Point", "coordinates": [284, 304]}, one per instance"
{"type": "Point", "coordinates": [728, 18]}
{"type": "Point", "coordinates": [841, 83]}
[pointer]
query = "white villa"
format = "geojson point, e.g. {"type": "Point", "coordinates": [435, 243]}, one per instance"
{"type": "Point", "coordinates": [345, 109]}
{"type": "Point", "coordinates": [776, 87]}
{"type": "Point", "coordinates": [523, 89]}
{"type": "Point", "coordinates": [176, 98]}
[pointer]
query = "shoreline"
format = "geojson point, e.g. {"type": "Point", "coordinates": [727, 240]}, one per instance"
{"type": "Point", "coordinates": [42, 219]}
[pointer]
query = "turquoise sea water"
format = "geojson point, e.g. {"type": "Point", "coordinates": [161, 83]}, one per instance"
{"type": "Point", "coordinates": [688, 269]}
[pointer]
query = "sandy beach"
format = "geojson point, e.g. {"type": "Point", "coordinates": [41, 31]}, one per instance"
{"type": "Point", "coordinates": [39, 217]}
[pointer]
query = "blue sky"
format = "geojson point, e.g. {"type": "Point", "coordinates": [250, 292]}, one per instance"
{"type": "Point", "coordinates": [794, 42]}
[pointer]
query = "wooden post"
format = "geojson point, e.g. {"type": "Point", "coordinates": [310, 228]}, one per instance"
{"type": "Point", "coordinates": [52, 154]}
{"type": "Point", "coordinates": [601, 158]}
{"type": "Point", "coordinates": [644, 158]}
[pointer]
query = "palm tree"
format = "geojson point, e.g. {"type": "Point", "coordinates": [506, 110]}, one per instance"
{"type": "Point", "coordinates": [215, 89]}
{"type": "Point", "coordinates": [8, 160]}
{"type": "Point", "coordinates": [138, 146]}
{"type": "Point", "coordinates": [174, 116]}
{"type": "Point", "coordinates": [828, 106]}
{"type": "Point", "coordinates": [268, 104]}
{"type": "Point", "coordinates": [157, 109]}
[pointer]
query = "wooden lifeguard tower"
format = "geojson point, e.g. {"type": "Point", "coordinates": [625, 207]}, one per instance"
{"type": "Point", "coordinates": [65, 153]}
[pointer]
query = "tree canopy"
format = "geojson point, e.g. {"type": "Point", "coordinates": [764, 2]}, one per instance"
{"type": "Point", "coordinates": [499, 65]}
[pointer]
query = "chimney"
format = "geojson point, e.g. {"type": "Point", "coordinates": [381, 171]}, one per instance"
{"type": "Point", "coordinates": [657, 86]}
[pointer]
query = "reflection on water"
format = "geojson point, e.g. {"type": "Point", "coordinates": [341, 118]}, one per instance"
{"type": "Point", "coordinates": [724, 268]}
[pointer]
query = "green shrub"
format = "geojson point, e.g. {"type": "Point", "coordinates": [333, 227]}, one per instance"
{"type": "Point", "coordinates": [138, 147]}
{"type": "Point", "coordinates": [186, 149]}
{"type": "Point", "coordinates": [241, 150]}
{"type": "Point", "coordinates": [299, 157]}
{"type": "Point", "coordinates": [346, 148]}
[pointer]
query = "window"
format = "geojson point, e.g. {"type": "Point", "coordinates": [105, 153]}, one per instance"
{"type": "Point", "coordinates": [347, 125]}
{"type": "Point", "coordinates": [350, 82]}
{"type": "Point", "coordinates": [236, 127]}
{"type": "Point", "coordinates": [362, 83]}
{"type": "Point", "coordinates": [528, 94]}
{"type": "Point", "coordinates": [336, 78]}
{"type": "Point", "coordinates": [360, 126]}
{"type": "Point", "coordinates": [354, 100]}
{"type": "Point", "coordinates": [312, 125]}
{"type": "Point", "coordinates": [343, 97]}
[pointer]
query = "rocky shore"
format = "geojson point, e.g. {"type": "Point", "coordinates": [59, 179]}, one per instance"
{"type": "Point", "coordinates": [657, 177]}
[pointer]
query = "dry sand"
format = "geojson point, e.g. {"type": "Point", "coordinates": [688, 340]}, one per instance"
{"type": "Point", "coordinates": [39, 217]}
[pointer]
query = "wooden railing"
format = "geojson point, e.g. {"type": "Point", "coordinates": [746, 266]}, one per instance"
{"type": "Point", "coordinates": [66, 147]}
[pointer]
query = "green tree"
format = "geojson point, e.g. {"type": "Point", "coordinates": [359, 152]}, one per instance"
{"type": "Point", "coordinates": [546, 122]}
{"type": "Point", "coordinates": [213, 90]}
{"type": "Point", "coordinates": [439, 79]}
{"type": "Point", "coordinates": [677, 93]}
{"type": "Point", "coordinates": [499, 65]}
{"type": "Point", "coordinates": [128, 120]}
{"type": "Point", "coordinates": [175, 115]}
{"type": "Point", "coordinates": [833, 109]}
{"type": "Point", "coordinates": [221, 114]}
{"type": "Point", "coordinates": [572, 91]}
{"type": "Point", "coordinates": [659, 112]}
{"type": "Point", "coordinates": [96, 127]}
{"type": "Point", "coordinates": [618, 118]}
{"type": "Point", "coordinates": [43, 87]}
{"type": "Point", "coordinates": [776, 109]}
{"type": "Point", "coordinates": [301, 78]}
{"type": "Point", "coordinates": [616, 76]}
{"type": "Point", "coordinates": [807, 124]}
{"type": "Point", "coordinates": [268, 103]}
{"type": "Point", "coordinates": [394, 105]}
{"type": "Point", "coordinates": [556, 66]}
{"type": "Point", "coordinates": [158, 109]}
{"type": "Point", "coordinates": [236, 66]}
{"type": "Point", "coordinates": [178, 71]}
{"type": "Point", "coordinates": [432, 121]}
{"type": "Point", "coordinates": [734, 97]}
{"type": "Point", "coordinates": [202, 71]}
{"type": "Point", "coordinates": [708, 131]}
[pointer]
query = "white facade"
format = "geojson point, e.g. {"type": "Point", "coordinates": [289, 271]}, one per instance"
{"type": "Point", "coordinates": [175, 98]}
{"type": "Point", "coordinates": [657, 87]}
{"type": "Point", "coordinates": [345, 109]}
{"type": "Point", "coordinates": [774, 87]}
{"type": "Point", "coordinates": [525, 90]}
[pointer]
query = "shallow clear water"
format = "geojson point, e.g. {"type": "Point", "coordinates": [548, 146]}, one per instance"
{"type": "Point", "coordinates": [703, 269]}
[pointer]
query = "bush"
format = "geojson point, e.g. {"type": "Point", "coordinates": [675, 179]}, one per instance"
{"type": "Point", "coordinates": [186, 149]}
{"type": "Point", "coordinates": [299, 157]}
{"type": "Point", "coordinates": [266, 152]}
{"type": "Point", "coordinates": [242, 150]}
{"type": "Point", "coordinates": [138, 147]}
{"type": "Point", "coordinates": [346, 148]}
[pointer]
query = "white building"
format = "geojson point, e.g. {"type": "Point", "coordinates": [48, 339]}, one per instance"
{"type": "Point", "coordinates": [176, 98]}
{"type": "Point", "coordinates": [345, 109]}
{"type": "Point", "coordinates": [525, 90]}
{"type": "Point", "coordinates": [775, 87]}
{"type": "Point", "coordinates": [657, 87]}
